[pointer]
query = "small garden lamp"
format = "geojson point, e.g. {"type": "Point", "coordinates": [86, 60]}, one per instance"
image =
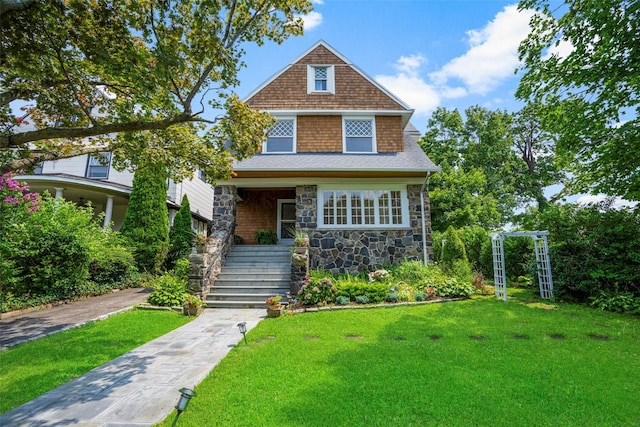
{"type": "Point", "coordinates": [243, 330]}
{"type": "Point", "coordinates": [185, 396]}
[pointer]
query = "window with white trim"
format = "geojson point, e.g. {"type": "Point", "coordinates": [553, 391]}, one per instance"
{"type": "Point", "coordinates": [362, 208]}
{"type": "Point", "coordinates": [359, 135]}
{"type": "Point", "coordinates": [320, 79]}
{"type": "Point", "coordinates": [98, 166]}
{"type": "Point", "coordinates": [281, 137]}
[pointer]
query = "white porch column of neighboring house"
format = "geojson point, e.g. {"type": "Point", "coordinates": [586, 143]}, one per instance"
{"type": "Point", "coordinates": [108, 211]}
{"type": "Point", "coordinates": [59, 192]}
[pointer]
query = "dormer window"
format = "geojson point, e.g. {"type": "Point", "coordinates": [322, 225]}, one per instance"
{"type": "Point", "coordinates": [282, 137]}
{"type": "Point", "coordinates": [320, 79]}
{"type": "Point", "coordinates": [359, 135]}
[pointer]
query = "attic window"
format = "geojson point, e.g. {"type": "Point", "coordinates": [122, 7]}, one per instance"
{"type": "Point", "coordinates": [320, 79]}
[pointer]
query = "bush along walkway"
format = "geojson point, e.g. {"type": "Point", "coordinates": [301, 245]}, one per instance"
{"type": "Point", "coordinates": [140, 387]}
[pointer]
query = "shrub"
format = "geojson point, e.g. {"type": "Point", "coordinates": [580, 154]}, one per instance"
{"type": "Point", "coordinates": [266, 237]}
{"type": "Point", "coordinates": [316, 291]}
{"type": "Point", "coordinates": [375, 291]}
{"type": "Point", "coordinates": [477, 245]}
{"type": "Point", "coordinates": [111, 263]}
{"type": "Point", "coordinates": [621, 302]}
{"type": "Point", "coordinates": [342, 300]}
{"type": "Point", "coordinates": [168, 291]}
{"type": "Point", "coordinates": [454, 256]}
{"type": "Point", "coordinates": [452, 288]}
{"type": "Point", "coordinates": [392, 298]}
{"type": "Point", "coordinates": [592, 248]}
{"type": "Point", "coordinates": [146, 223]}
{"type": "Point", "coordinates": [404, 291]}
{"type": "Point", "coordinates": [362, 299]}
{"type": "Point", "coordinates": [411, 272]}
{"type": "Point", "coordinates": [181, 269]}
{"type": "Point", "coordinates": [420, 296]}
{"type": "Point", "coordinates": [181, 234]}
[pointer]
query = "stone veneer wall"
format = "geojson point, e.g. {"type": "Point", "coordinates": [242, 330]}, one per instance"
{"type": "Point", "coordinates": [354, 250]}
{"type": "Point", "coordinates": [204, 268]}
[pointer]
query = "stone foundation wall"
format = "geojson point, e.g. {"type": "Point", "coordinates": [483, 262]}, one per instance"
{"type": "Point", "coordinates": [355, 250]}
{"type": "Point", "coordinates": [205, 267]}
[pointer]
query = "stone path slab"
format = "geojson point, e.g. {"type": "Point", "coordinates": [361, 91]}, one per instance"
{"type": "Point", "coordinates": [140, 388]}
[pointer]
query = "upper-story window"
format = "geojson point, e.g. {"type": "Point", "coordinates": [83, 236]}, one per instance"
{"type": "Point", "coordinates": [359, 135]}
{"type": "Point", "coordinates": [320, 79]}
{"type": "Point", "coordinates": [282, 137]}
{"type": "Point", "coordinates": [98, 166]}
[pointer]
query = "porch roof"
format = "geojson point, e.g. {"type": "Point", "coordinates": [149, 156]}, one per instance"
{"type": "Point", "coordinates": [412, 159]}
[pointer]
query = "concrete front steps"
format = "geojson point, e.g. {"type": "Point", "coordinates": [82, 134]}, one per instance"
{"type": "Point", "coordinates": [250, 275]}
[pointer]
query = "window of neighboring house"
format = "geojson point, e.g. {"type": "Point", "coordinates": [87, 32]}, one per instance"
{"type": "Point", "coordinates": [362, 208]}
{"type": "Point", "coordinates": [320, 79]}
{"type": "Point", "coordinates": [37, 168]}
{"type": "Point", "coordinates": [202, 175]}
{"type": "Point", "coordinates": [98, 166]}
{"type": "Point", "coordinates": [281, 137]}
{"type": "Point", "coordinates": [359, 136]}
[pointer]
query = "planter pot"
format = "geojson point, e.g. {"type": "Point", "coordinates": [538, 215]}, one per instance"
{"type": "Point", "coordinates": [200, 248]}
{"type": "Point", "coordinates": [274, 311]}
{"type": "Point", "coordinates": [191, 310]}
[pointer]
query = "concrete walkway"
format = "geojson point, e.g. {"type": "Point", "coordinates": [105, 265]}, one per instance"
{"type": "Point", "coordinates": [141, 387]}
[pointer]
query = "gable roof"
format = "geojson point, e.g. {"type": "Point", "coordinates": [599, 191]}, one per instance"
{"type": "Point", "coordinates": [321, 53]}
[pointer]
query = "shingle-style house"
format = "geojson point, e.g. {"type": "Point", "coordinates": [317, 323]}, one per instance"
{"type": "Point", "coordinates": [342, 163]}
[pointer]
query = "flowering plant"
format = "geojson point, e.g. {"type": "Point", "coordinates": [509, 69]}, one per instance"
{"type": "Point", "coordinates": [380, 275]}
{"type": "Point", "coordinates": [316, 291]}
{"type": "Point", "coordinates": [273, 301]}
{"type": "Point", "coordinates": [16, 194]}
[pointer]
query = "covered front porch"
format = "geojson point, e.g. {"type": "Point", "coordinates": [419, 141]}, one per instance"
{"type": "Point", "coordinates": [265, 209]}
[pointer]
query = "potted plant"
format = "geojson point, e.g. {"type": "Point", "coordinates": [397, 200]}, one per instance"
{"type": "Point", "coordinates": [201, 241]}
{"type": "Point", "coordinates": [266, 237]}
{"type": "Point", "coordinates": [192, 305]}
{"type": "Point", "coordinates": [301, 239]}
{"type": "Point", "coordinates": [274, 308]}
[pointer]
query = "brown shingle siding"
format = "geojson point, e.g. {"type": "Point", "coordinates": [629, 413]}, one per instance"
{"type": "Point", "coordinates": [353, 91]}
{"type": "Point", "coordinates": [389, 136]}
{"type": "Point", "coordinates": [319, 134]}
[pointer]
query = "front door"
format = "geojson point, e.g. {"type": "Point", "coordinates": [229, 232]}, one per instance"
{"type": "Point", "coordinates": [286, 221]}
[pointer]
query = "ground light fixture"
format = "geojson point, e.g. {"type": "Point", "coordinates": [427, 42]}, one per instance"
{"type": "Point", "coordinates": [185, 396]}
{"type": "Point", "coordinates": [243, 330]}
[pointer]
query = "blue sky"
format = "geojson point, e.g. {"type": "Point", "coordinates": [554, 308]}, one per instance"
{"type": "Point", "coordinates": [431, 54]}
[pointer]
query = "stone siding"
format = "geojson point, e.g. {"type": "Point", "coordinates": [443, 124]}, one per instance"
{"type": "Point", "coordinates": [355, 250]}
{"type": "Point", "coordinates": [204, 268]}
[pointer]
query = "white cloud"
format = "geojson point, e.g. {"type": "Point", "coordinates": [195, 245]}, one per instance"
{"type": "Point", "coordinates": [312, 20]}
{"type": "Point", "coordinates": [493, 53]}
{"type": "Point", "coordinates": [409, 86]}
{"type": "Point", "coordinates": [561, 49]}
{"type": "Point", "coordinates": [318, 1]}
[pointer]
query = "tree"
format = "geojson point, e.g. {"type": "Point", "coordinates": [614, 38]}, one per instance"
{"type": "Point", "coordinates": [133, 77]}
{"type": "Point", "coordinates": [536, 148]}
{"type": "Point", "coordinates": [582, 62]}
{"type": "Point", "coordinates": [146, 222]}
{"type": "Point", "coordinates": [476, 185]}
{"type": "Point", "coordinates": [180, 234]}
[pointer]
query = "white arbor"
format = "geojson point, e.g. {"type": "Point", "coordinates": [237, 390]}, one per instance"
{"type": "Point", "coordinates": [543, 265]}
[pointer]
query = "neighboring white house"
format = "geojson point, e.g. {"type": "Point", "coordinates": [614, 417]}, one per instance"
{"type": "Point", "coordinates": [84, 179]}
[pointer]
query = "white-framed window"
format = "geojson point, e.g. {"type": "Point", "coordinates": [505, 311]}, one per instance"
{"type": "Point", "coordinates": [201, 175]}
{"type": "Point", "coordinates": [98, 166]}
{"type": "Point", "coordinates": [359, 135]}
{"type": "Point", "coordinates": [363, 208]}
{"type": "Point", "coordinates": [320, 79]}
{"type": "Point", "coordinates": [282, 137]}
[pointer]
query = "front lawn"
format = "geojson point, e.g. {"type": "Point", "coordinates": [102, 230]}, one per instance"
{"type": "Point", "coordinates": [31, 369]}
{"type": "Point", "coordinates": [473, 362]}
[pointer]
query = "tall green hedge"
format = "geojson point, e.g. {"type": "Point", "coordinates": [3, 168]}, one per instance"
{"type": "Point", "coordinates": [181, 234]}
{"type": "Point", "coordinates": [146, 222]}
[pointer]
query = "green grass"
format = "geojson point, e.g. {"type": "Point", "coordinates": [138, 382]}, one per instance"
{"type": "Point", "coordinates": [31, 369]}
{"type": "Point", "coordinates": [474, 362]}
